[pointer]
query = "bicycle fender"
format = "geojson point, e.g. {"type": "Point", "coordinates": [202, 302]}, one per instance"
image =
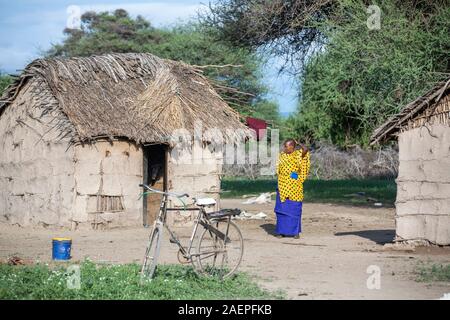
{"type": "Point", "coordinates": [217, 232]}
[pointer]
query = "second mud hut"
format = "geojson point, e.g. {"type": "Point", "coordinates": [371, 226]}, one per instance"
{"type": "Point", "coordinates": [423, 182]}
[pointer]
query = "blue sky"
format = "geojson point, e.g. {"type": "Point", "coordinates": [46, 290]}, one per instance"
{"type": "Point", "coordinates": [29, 27]}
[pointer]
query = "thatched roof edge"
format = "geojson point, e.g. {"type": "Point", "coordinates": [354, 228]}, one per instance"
{"type": "Point", "coordinates": [134, 95]}
{"type": "Point", "coordinates": [395, 122]}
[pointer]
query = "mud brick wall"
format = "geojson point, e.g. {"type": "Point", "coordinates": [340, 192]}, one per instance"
{"type": "Point", "coordinates": [107, 177]}
{"type": "Point", "coordinates": [423, 185]}
{"type": "Point", "coordinates": [36, 169]}
{"type": "Point", "coordinates": [197, 172]}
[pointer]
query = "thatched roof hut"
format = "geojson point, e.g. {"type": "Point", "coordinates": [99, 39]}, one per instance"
{"type": "Point", "coordinates": [135, 95]}
{"type": "Point", "coordinates": [78, 135]}
{"type": "Point", "coordinates": [423, 182]}
{"type": "Point", "coordinates": [416, 114]}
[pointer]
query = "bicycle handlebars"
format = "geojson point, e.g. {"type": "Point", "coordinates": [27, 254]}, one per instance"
{"type": "Point", "coordinates": [173, 194]}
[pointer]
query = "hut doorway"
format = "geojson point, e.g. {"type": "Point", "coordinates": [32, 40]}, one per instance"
{"type": "Point", "coordinates": [155, 175]}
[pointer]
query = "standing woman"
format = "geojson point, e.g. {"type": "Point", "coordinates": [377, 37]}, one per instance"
{"type": "Point", "coordinates": [292, 169]}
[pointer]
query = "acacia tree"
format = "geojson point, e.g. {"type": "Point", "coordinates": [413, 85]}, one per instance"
{"type": "Point", "coordinates": [364, 76]}
{"type": "Point", "coordinates": [285, 28]}
{"type": "Point", "coordinates": [351, 78]}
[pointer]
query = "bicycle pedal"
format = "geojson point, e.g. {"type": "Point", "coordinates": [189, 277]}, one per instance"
{"type": "Point", "coordinates": [172, 240]}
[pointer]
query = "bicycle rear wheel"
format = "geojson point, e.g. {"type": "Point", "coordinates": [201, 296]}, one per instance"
{"type": "Point", "coordinates": [220, 255]}
{"type": "Point", "coordinates": [152, 252]}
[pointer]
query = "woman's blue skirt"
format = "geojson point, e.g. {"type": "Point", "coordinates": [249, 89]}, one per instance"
{"type": "Point", "coordinates": [289, 216]}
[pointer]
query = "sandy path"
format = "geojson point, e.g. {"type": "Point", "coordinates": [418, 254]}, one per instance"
{"type": "Point", "coordinates": [330, 260]}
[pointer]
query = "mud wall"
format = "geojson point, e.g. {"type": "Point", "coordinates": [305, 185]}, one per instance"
{"type": "Point", "coordinates": [423, 185]}
{"type": "Point", "coordinates": [195, 171]}
{"type": "Point", "coordinates": [107, 177]}
{"type": "Point", "coordinates": [36, 169]}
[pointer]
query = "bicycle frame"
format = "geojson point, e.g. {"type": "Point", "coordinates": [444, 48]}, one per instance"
{"type": "Point", "coordinates": [213, 239]}
{"type": "Point", "coordinates": [200, 219]}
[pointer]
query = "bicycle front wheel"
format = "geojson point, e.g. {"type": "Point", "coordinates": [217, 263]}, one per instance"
{"type": "Point", "coordinates": [220, 254]}
{"type": "Point", "coordinates": [152, 252]}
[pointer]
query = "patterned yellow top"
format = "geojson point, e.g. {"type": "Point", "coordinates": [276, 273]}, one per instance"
{"type": "Point", "coordinates": [289, 187]}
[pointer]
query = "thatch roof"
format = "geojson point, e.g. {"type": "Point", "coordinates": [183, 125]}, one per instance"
{"type": "Point", "coordinates": [409, 112]}
{"type": "Point", "coordinates": [134, 95]}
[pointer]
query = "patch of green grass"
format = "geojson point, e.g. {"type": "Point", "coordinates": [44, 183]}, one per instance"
{"type": "Point", "coordinates": [237, 187]}
{"type": "Point", "coordinates": [345, 191]}
{"type": "Point", "coordinates": [434, 272]}
{"type": "Point", "coordinates": [330, 191]}
{"type": "Point", "coordinates": [172, 282]}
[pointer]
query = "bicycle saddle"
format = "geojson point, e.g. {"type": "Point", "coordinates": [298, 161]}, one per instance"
{"type": "Point", "coordinates": [205, 201]}
{"type": "Point", "coordinates": [224, 213]}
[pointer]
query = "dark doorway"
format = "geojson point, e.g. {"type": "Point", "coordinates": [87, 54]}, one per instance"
{"type": "Point", "coordinates": [155, 175]}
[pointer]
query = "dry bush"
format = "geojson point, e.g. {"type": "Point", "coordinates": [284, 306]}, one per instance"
{"type": "Point", "coordinates": [330, 162]}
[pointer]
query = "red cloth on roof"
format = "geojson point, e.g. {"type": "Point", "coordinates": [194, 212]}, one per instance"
{"type": "Point", "coordinates": [258, 125]}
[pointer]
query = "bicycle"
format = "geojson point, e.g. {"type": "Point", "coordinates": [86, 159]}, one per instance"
{"type": "Point", "coordinates": [219, 247]}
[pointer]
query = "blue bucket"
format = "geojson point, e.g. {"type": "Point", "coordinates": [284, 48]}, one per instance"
{"type": "Point", "coordinates": [61, 248]}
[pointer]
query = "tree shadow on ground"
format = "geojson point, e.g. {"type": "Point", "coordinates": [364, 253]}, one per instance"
{"type": "Point", "coordinates": [269, 228]}
{"type": "Point", "coordinates": [382, 236]}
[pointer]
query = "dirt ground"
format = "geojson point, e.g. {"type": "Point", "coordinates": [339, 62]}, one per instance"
{"type": "Point", "coordinates": [329, 261]}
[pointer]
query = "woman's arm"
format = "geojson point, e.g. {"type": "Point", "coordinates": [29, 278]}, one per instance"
{"type": "Point", "coordinates": [304, 167]}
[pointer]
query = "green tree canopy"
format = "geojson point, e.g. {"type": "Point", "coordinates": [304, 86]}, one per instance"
{"type": "Point", "coordinates": [267, 110]}
{"type": "Point", "coordinates": [363, 76]}
{"type": "Point", "coordinates": [352, 77]}
{"type": "Point", "coordinates": [5, 80]}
